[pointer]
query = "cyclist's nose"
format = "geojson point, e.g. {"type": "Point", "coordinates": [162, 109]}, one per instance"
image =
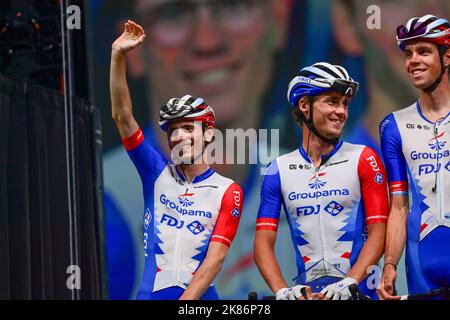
{"type": "Point", "coordinates": [207, 36]}
{"type": "Point", "coordinates": [341, 110]}
{"type": "Point", "coordinates": [415, 58]}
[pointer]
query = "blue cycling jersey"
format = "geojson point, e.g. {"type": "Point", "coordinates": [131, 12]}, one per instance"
{"type": "Point", "coordinates": [417, 157]}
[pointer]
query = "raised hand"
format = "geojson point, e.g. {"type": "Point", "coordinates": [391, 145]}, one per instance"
{"type": "Point", "coordinates": [132, 36]}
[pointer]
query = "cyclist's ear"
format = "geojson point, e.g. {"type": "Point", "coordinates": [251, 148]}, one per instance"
{"type": "Point", "coordinates": [344, 28]}
{"type": "Point", "coordinates": [303, 106]}
{"type": "Point", "coordinates": [447, 57]}
{"type": "Point", "coordinates": [209, 133]}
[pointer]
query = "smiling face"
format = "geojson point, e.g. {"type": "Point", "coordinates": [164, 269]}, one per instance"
{"type": "Point", "coordinates": [330, 113]}
{"type": "Point", "coordinates": [186, 141]}
{"type": "Point", "coordinates": [220, 50]}
{"type": "Point", "coordinates": [423, 63]}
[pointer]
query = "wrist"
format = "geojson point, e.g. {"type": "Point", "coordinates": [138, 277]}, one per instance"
{"type": "Point", "coordinates": [353, 278]}
{"type": "Point", "coordinates": [117, 53]}
{"type": "Point", "coordinates": [390, 265]}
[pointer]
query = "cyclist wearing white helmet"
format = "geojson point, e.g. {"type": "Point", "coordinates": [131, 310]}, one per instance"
{"type": "Point", "coordinates": [416, 151]}
{"type": "Point", "coordinates": [334, 195]}
{"type": "Point", "coordinates": [191, 213]}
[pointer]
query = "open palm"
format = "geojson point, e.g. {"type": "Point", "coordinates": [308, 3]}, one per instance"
{"type": "Point", "coordinates": [132, 36]}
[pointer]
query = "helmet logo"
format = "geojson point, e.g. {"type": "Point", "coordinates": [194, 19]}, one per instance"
{"type": "Point", "coordinates": [349, 92]}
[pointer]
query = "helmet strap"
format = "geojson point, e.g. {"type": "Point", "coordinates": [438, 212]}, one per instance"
{"type": "Point", "coordinates": [310, 124]}
{"type": "Point", "coordinates": [436, 83]}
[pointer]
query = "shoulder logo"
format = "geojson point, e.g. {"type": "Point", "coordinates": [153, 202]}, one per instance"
{"type": "Point", "coordinates": [237, 198]}
{"type": "Point", "coordinates": [379, 178]}
{"type": "Point", "coordinates": [235, 213]}
{"type": "Point", "coordinates": [147, 218]}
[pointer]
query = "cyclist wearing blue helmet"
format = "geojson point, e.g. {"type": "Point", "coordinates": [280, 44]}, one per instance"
{"type": "Point", "coordinates": [334, 195]}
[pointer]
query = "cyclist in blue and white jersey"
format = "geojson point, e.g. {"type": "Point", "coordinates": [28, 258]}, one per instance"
{"type": "Point", "coordinates": [334, 195]}
{"type": "Point", "coordinates": [415, 146]}
{"type": "Point", "coordinates": [191, 213]}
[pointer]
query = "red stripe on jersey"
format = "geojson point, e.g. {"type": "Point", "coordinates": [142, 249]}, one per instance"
{"type": "Point", "coordinates": [398, 187]}
{"type": "Point", "coordinates": [372, 178]}
{"type": "Point", "coordinates": [229, 215]}
{"type": "Point", "coordinates": [134, 141]}
{"type": "Point", "coordinates": [376, 219]}
{"type": "Point", "coordinates": [267, 224]}
{"type": "Point", "coordinates": [422, 227]}
{"type": "Point", "coordinates": [346, 255]}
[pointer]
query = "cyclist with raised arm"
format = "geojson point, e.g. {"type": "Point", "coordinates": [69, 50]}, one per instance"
{"type": "Point", "coordinates": [191, 213]}
{"type": "Point", "coordinates": [334, 195]}
{"type": "Point", "coordinates": [415, 146]}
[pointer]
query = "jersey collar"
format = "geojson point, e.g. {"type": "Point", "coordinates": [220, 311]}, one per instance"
{"type": "Point", "coordinates": [201, 177]}
{"type": "Point", "coordinates": [419, 110]}
{"type": "Point", "coordinates": [332, 153]}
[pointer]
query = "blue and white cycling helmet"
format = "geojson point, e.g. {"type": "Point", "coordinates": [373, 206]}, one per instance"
{"type": "Point", "coordinates": [319, 78]}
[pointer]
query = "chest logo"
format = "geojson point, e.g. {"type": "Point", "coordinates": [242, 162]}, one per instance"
{"type": "Point", "coordinates": [186, 199]}
{"type": "Point", "coordinates": [334, 208]}
{"type": "Point", "coordinates": [316, 183]}
{"type": "Point", "coordinates": [435, 144]}
{"type": "Point", "coordinates": [195, 227]}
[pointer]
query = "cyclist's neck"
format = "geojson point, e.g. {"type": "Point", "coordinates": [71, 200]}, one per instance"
{"type": "Point", "coordinates": [436, 105]}
{"type": "Point", "coordinates": [190, 171]}
{"type": "Point", "coordinates": [316, 148]}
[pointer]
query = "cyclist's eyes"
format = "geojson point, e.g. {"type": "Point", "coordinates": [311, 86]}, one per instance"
{"type": "Point", "coordinates": [424, 52]}
{"type": "Point", "coordinates": [237, 6]}
{"type": "Point", "coordinates": [173, 12]}
{"type": "Point", "coordinates": [331, 101]}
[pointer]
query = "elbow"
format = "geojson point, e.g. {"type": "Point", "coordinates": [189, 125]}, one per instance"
{"type": "Point", "coordinates": [121, 117]}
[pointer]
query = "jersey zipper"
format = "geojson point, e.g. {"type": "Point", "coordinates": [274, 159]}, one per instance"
{"type": "Point", "coordinates": [322, 233]}
{"type": "Point", "coordinates": [179, 243]}
{"type": "Point", "coordinates": [440, 186]}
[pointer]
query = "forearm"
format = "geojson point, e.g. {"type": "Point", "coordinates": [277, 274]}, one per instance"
{"type": "Point", "coordinates": [266, 261]}
{"type": "Point", "coordinates": [203, 279]}
{"type": "Point", "coordinates": [369, 255]}
{"type": "Point", "coordinates": [396, 235]}
{"type": "Point", "coordinates": [120, 96]}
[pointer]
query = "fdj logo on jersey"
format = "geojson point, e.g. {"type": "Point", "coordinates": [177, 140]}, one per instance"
{"type": "Point", "coordinates": [195, 227]}
{"type": "Point", "coordinates": [431, 168]}
{"type": "Point", "coordinates": [435, 145]}
{"type": "Point", "coordinates": [334, 208]}
{"type": "Point", "coordinates": [171, 221]}
{"type": "Point", "coordinates": [147, 218]}
{"type": "Point", "coordinates": [308, 210]}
